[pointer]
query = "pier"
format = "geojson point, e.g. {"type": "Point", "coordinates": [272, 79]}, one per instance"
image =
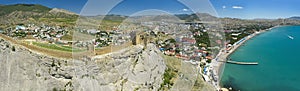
{"type": "Point", "coordinates": [243, 63]}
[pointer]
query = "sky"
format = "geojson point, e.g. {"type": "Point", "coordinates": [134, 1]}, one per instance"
{"type": "Point", "coordinates": [251, 9]}
{"type": "Point", "coordinates": [131, 6]}
{"type": "Point", "coordinates": [246, 9]}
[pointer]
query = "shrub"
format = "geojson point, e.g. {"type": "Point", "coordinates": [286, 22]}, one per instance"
{"type": "Point", "coordinates": [13, 48]}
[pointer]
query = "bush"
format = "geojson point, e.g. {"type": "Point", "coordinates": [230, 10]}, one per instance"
{"type": "Point", "coordinates": [13, 48]}
{"type": "Point", "coordinates": [54, 89]}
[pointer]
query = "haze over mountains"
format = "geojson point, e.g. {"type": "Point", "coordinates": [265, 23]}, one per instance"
{"type": "Point", "coordinates": [22, 13]}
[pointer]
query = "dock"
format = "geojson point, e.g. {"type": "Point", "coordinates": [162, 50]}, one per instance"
{"type": "Point", "coordinates": [243, 63]}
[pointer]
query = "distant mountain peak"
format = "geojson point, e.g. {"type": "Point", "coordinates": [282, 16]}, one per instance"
{"type": "Point", "coordinates": [295, 18]}
{"type": "Point", "coordinates": [7, 9]}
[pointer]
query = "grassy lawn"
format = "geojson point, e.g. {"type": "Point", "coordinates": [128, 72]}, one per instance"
{"type": "Point", "coordinates": [56, 47]}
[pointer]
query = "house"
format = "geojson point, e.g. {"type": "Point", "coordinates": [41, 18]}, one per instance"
{"type": "Point", "coordinates": [209, 57]}
{"type": "Point", "coordinates": [189, 40]}
{"type": "Point", "coordinates": [235, 34]}
{"type": "Point", "coordinates": [229, 45]}
{"type": "Point", "coordinates": [20, 27]}
{"type": "Point", "coordinates": [234, 38]}
{"type": "Point", "coordinates": [227, 31]}
{"type": "Point", "coordinates": [170, 52]}
{"type": "Point", "coordinates": [1, 31]}
{"type": "Point", "coordinates": [59, 35]}
{"type": "Point", "coordinates": [92, 31]}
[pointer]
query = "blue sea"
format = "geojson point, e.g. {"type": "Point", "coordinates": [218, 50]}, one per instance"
{"type": "Point", "coordinates": [278, 56]}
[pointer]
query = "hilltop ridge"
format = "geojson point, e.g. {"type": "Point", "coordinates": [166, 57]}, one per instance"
{"type": "Point", "coordinates": [35, 13]}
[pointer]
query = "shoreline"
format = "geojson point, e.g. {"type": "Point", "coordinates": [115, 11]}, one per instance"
{"type": "Point", "coordinates": [219, 62]}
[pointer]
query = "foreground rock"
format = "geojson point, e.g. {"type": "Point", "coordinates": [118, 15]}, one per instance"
{"type": "Point", "coordinates": [131, 69]}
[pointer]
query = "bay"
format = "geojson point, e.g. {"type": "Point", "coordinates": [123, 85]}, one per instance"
{"type": "Point", "coordinates": [278, 53]}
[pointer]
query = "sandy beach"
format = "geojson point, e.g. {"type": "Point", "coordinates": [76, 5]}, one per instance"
{"type": "Point", "coordinates": [221, 58]}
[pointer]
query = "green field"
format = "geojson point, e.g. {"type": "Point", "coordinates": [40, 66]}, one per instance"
{"type": "Point", "coordinates": [56, 47]}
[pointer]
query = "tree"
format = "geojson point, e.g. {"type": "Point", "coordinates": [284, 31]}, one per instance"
{"type": "Point", "coordinates": [208, 61]}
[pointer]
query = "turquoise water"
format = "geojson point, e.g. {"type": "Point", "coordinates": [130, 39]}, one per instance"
{"type": "Point", "coordinates": [279, 62]}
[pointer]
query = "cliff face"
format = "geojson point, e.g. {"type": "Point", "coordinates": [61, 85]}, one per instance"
{"type": "Point", "coordinates": [131, 69]}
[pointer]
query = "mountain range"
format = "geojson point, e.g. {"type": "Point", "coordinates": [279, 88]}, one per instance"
{"type": "Point", "coordinates": [295, 18]}
{"type": "Point", "coordinates": [23, 13]}
{"type": "Point", "coordinates": [34, 13]}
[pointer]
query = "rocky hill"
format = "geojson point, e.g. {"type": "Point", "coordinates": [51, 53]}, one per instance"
{"type": "Point", "coordinates": [131, 69]}
{"type": "Point", "coordinates": [34, 13]}
{"type": "Point", "coordinates": [7, 9]}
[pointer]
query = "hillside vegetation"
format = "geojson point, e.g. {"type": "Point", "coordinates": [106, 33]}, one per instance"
{"type": "Point", "coordinates": [34, 13]}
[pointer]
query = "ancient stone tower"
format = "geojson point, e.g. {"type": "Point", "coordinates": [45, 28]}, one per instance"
{"type": "Point", "coordinates": [139, 38]}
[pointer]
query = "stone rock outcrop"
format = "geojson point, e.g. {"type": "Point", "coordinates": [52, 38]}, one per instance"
{"type": "Point", "coordinates": [130, 69]}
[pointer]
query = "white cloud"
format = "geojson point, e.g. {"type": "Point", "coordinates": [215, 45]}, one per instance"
{"type": "Point", "coordinates": [185, 10]}
{"type": "Point", "coordinates": [237, 7]}
{"type": "Point", "coordinates": [223, 7]}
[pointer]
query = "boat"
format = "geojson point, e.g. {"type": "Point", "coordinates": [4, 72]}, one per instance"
{"type": "Point", "coordinates": [290, 37]}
